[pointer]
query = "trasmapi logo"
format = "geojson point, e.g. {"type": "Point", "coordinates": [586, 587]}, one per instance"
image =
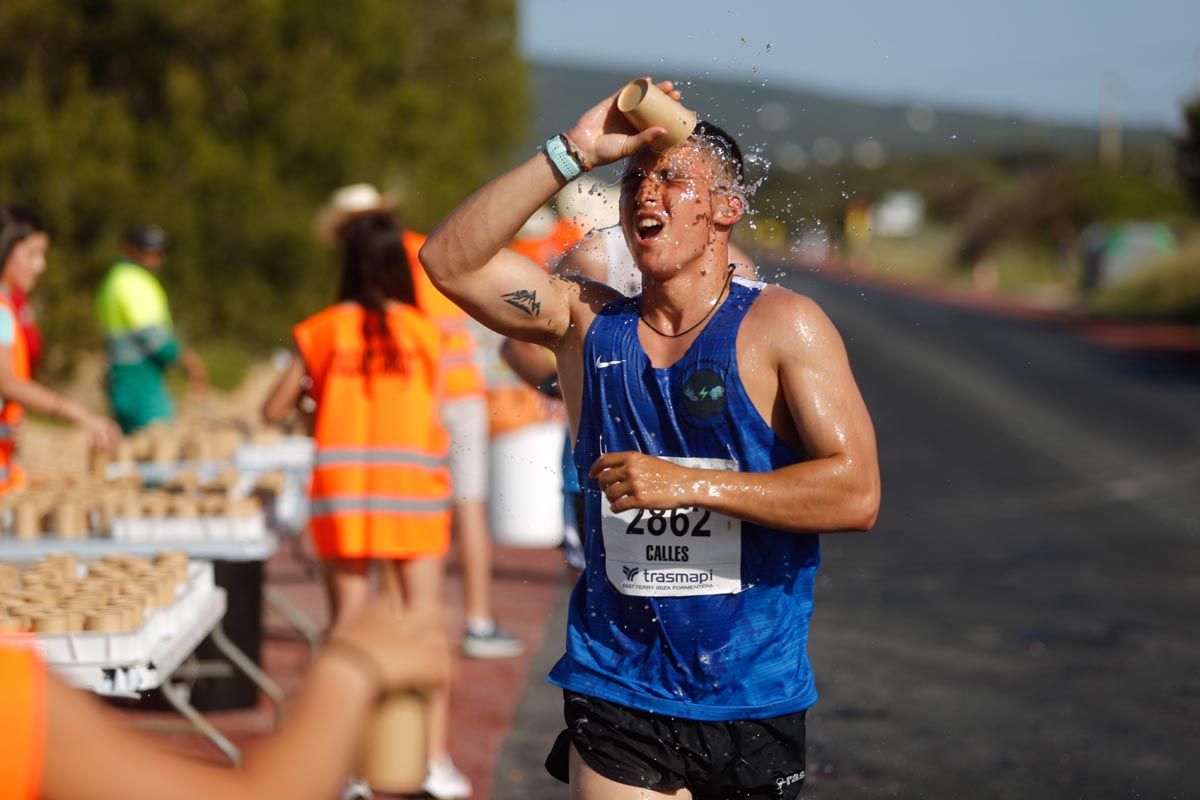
{"type": "Point", "coordinates": [629, 572]}
{"type": "Point", "coordinates": [677, 577]}
{"type": "Point", "coordinates": [789, 780]}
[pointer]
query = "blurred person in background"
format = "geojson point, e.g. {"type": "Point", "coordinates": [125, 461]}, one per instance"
{"type": "Point", "coordinates": [139, 335]}
{"type": "Point", "coordinates": [24, 243]}
{"type": "Point", "coordinates": [61, 744]}
{"type": "Point", "coordinates": [26, 316]}
{"type": "Point", "coordinates": [465, 415]}
{"type": "Point", "coordinates": [380, 486]}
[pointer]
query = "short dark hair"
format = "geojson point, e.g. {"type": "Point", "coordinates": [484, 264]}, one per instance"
{"type": "Point", "coordinates": [147, 237]}
{"type": "Point", "coordinates": [17, 223]}
{"type": "Point", "coordinates": [725, 147]}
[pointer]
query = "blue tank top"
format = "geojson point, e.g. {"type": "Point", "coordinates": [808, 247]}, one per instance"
{"type": "Point", "coordinates": [721, 640]}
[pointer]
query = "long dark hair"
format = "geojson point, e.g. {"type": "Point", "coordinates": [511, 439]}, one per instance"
{"type": "Point", "coordinates": [375, 270]}
{"type": "Point", "coordinates": [17, 223]}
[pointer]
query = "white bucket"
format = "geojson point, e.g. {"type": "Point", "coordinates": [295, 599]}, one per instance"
{"type": "Point", "coordinates": [526, 505]}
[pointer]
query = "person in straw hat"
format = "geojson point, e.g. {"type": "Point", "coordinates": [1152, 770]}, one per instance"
{"type": "Point", "coordinates": [464, 412]}
{"type": "Point", "coordinates": [380, 490]}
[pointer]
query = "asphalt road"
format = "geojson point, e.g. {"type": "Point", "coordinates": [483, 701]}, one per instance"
{"type": "Point", "coordinates": [1024, 622]}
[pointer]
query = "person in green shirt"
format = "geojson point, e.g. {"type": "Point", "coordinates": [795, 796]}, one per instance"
{"type": "Point", "coordinates": [139, 336]}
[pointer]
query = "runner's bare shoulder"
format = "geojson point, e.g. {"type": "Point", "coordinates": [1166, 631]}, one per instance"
{"type": "Point", "coordinates": [790, 325]}
{"type": "Point", "coordinates": [586, 297]}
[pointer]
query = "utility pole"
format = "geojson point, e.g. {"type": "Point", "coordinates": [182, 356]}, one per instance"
{"type": "Point", "coordinates": [1110, 124]}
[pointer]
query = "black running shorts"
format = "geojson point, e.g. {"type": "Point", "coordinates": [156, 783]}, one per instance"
{"type": "Point", "coordinates": [746, 759]}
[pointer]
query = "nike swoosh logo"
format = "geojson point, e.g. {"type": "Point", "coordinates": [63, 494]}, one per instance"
{"type": "Point", "coordinates": [602, 364]}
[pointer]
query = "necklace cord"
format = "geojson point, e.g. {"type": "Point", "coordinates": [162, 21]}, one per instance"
{"type": "Point", "coordinates": [713, 308]}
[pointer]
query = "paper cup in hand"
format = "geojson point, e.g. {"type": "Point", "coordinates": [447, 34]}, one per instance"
{"type": "Point", "coordinates": [645, 105]}
{"type": "Point", "coordinates": [394, 755]}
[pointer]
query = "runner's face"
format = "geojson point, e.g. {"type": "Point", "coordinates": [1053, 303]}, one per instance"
{"type": "Point", "coordinates": [26, 262]}
{"type": "Point", "coordinates": [669, 207]}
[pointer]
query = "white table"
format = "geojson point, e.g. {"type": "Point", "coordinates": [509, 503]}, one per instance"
{"type": "Point", "coordinates": [156, 669]}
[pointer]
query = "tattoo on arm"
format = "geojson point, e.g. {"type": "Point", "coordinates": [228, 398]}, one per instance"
{"type": "Point", "coordinates": [524, 300]}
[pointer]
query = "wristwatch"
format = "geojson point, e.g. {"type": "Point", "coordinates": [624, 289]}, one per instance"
{"type": "Point", "coordinates": [562, 159]}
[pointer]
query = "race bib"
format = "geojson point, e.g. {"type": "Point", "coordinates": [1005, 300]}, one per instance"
{"type": "Point", "coordinates": [683, 552]}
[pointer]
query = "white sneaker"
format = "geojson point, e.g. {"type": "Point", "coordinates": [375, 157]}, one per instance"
{"type": "Point", "coordinates": [492, 643]}
{"type": "Point", "coordinates": [357, 789]}
{"type": "Point", "coordinates": [445, 782]}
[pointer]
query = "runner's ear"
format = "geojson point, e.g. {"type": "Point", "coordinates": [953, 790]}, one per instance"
{"type": "Point", "coordinates": [728, 208]}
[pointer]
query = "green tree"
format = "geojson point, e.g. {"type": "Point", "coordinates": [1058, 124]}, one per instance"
{"type": "Point", "coordinates": [228, 122]}
{"type": "Point", "coordinates": [1188, 152]}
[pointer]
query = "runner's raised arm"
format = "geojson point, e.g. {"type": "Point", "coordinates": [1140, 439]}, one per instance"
{"type": "Point", "coordinates": [464, 255]}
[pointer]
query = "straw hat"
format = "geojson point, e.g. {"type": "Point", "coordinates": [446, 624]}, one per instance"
{"type": "Point", "coordinates": [347, 203]}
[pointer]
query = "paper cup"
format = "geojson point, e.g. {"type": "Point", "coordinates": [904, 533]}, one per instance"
{"type": "Point", "coordinates": [51, 622]}
{"type": "Point", "coordinates": [394, 750]}
{"type": "Point", "coordinates": [645, 105]}
{"type": "Point", "coordinates": [132, 616]}
{"type": "Point", "coordinates": [65, 563]}
{"type": "Point", "coordinates": [27, 520]}
{"type": "Point", "coordinates": [107, 620]}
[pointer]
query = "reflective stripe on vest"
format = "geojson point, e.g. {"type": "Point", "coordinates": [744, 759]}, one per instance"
{"type": "Point", "coordinates": [377, 457]}
{"type": "Point", "coordinates": [135, 346]}
{"type": "Point", "coordinates": [375, 504]}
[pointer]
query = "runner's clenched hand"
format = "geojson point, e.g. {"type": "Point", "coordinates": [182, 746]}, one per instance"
{"type": "Point", "coordinates": [635, 480]}
{"type": "Point", "coordinates": [603, 135]}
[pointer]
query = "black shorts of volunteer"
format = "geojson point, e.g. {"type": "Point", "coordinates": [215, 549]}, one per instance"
{"type": "Point", "coordinates": [745, 759]}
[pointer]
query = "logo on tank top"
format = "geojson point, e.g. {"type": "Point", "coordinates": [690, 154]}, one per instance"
{"type": "Point", "coordinates": [704, 393]}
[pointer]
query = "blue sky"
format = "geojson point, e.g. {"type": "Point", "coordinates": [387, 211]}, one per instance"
{"type": "Point", "coordinates": [1047, 58]}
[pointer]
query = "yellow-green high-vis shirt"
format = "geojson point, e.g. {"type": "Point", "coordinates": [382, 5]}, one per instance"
{"type": "Point", "coordinates": [140, 342]}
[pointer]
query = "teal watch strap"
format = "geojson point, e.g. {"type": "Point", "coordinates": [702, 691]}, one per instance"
{"type": "Point", "coordinates": [562, 159]}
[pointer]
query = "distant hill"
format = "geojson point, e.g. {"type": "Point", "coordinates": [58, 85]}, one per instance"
{"type": "Point", "coordinates": [789, 122]}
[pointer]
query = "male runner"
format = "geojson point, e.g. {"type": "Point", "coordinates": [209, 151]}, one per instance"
{"type": "Point", "coordinates": [602, 256]}
{"type": "Point", "coordinates": [720, 428]}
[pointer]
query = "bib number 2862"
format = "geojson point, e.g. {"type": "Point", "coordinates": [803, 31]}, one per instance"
{"type": "Point", "coordinates": [679, 552]}
{"type": "Point", "coordinates": [678, 522]}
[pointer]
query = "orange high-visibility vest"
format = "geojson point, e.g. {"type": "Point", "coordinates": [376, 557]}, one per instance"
{"type": "Point", "coordinates": [381, 482]}
{"type": "Point", "coordinates": [23, 734]}
{"type": "Point", "coordinates": [545, 250]}
{"type": "Point", "coordinates": [462, 376]}
{"type": "Point", "coordinates": [11, 474]}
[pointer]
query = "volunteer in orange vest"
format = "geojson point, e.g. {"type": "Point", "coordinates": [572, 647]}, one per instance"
{"type": "Point", "coordinates": [381, 484]}
{"type": "Point", "coordinates": [59, 743]}
{"type": "Point", "coordinates": [24, 242]}
{"type": "Point", "coordinates": [465, 415]}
